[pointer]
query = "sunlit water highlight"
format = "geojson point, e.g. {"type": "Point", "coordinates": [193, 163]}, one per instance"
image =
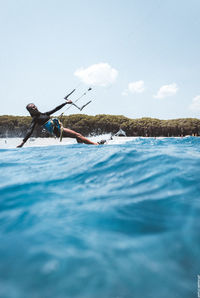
{"type": "Point", "coordinates": [116, 221]}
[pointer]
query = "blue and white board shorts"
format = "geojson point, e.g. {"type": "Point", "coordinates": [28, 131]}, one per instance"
{"type": "Point", "coordinates": [54, 127]}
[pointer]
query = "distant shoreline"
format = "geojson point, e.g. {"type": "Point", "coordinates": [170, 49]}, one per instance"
{"type": "Point", "coordinates": [17, 126]}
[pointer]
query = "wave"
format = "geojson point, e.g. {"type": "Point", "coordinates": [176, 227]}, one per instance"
{"type": "Point", "coordinates": [106, 221]}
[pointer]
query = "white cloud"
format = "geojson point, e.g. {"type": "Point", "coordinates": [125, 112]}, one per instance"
{"type": "Point", "coordinates": [195, 105]}
{"type": "Point", "coordinates": [136, 87]}
{"type": "Point", "coordinates": [167, 90]}
{"type": "Point", "coordinates": [125, 92]}
{"type": "Point", "coordinates": [101, 74]}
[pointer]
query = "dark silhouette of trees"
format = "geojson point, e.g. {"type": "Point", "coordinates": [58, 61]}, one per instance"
{"type": "Point", "coordinates": [16, 126]}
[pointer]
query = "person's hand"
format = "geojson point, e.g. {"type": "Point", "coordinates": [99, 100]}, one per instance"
{"type": "Point", "coordinates": [69, 101]}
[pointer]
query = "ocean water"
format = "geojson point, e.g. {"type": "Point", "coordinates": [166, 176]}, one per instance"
{"type": "Point", "coordinates": [113, 221]}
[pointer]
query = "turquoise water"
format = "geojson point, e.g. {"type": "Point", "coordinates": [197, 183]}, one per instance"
{"type": "Point", "coordinates": [116, 221]}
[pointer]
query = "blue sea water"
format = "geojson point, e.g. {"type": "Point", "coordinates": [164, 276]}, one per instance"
{"type": "Point", "coordinates": [116, 221]}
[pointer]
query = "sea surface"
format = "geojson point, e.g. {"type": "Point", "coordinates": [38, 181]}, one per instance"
{"type": "Point", "coordinates": [115, 221]}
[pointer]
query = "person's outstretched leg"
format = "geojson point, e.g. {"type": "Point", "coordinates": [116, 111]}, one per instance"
{"type": "Point", "coordinates": [75, 135]}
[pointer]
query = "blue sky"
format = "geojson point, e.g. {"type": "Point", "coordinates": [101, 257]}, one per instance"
{"type": "Point", "coordinates": [140, 56]}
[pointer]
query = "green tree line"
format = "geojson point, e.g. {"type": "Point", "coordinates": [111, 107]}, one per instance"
{"type": "Point", "coordinates": [16, 126]}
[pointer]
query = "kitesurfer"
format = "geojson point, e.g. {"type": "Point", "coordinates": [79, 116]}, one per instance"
{"type": "Point", "coordinates": [53, 126]}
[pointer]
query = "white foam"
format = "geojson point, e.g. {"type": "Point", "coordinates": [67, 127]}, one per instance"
{"type": "Point", "coordinates": [8, 143]}
{"type": "Point", "coordinates": [34, 142]}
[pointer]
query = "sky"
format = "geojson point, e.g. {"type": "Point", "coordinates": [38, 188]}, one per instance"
{"type": "Point", "coordinates": [141, 57]}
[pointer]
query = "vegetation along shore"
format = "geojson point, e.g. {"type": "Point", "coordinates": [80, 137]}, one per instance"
{"type": "Point", "coordinates": [16, 126]}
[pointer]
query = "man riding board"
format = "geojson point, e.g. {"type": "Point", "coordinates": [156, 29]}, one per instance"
{"type": "Point", "coordinates": [53, 126]}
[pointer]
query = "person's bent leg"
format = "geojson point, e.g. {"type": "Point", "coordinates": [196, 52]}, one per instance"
{"type": "Point", "coordinates": [75, 135]}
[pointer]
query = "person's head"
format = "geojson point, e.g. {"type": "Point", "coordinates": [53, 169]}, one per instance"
{"type": "Point", "coordinates": [33, 110]}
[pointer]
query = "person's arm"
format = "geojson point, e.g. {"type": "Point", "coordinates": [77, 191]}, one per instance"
{"type": "Point", "coordinates": [58, 108]}
{"type": "Point", "coordinates": [29, 133]}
